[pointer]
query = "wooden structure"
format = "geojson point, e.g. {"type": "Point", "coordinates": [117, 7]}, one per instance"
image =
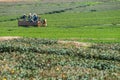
{"type": "Point", "coordinates": [30, 23]}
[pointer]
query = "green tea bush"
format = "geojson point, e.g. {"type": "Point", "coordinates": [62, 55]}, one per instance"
{"type": "Point", "coordinates": [31, 58]}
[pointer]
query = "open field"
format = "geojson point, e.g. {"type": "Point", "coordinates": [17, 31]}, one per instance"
{"type": "Point", "coordinates": [81, 41]}
{"type": "Point", "coordinates": [95, 26]}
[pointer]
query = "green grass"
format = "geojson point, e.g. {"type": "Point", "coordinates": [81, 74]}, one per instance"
{"type": "Point", "coordinates": [98, 26]}
{"type": "Point", "coordinates": [86, 26]}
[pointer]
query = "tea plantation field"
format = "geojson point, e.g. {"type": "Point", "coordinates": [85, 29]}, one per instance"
{"type": "Point", "coordinates": [43, 59]}
{"type": "Point", "coordinates": [81, 41]}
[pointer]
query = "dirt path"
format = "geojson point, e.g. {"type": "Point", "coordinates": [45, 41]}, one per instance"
{"type": "Point", "coordinates": [74, 43]}
{"type": "Point", "coordinates": [8, 38]}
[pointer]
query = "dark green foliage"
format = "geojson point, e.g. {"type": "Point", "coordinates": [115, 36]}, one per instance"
{"type": "Point", "coordinates": [43, 58]}
{"type": "Point", "coordinates": [97, 51]}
